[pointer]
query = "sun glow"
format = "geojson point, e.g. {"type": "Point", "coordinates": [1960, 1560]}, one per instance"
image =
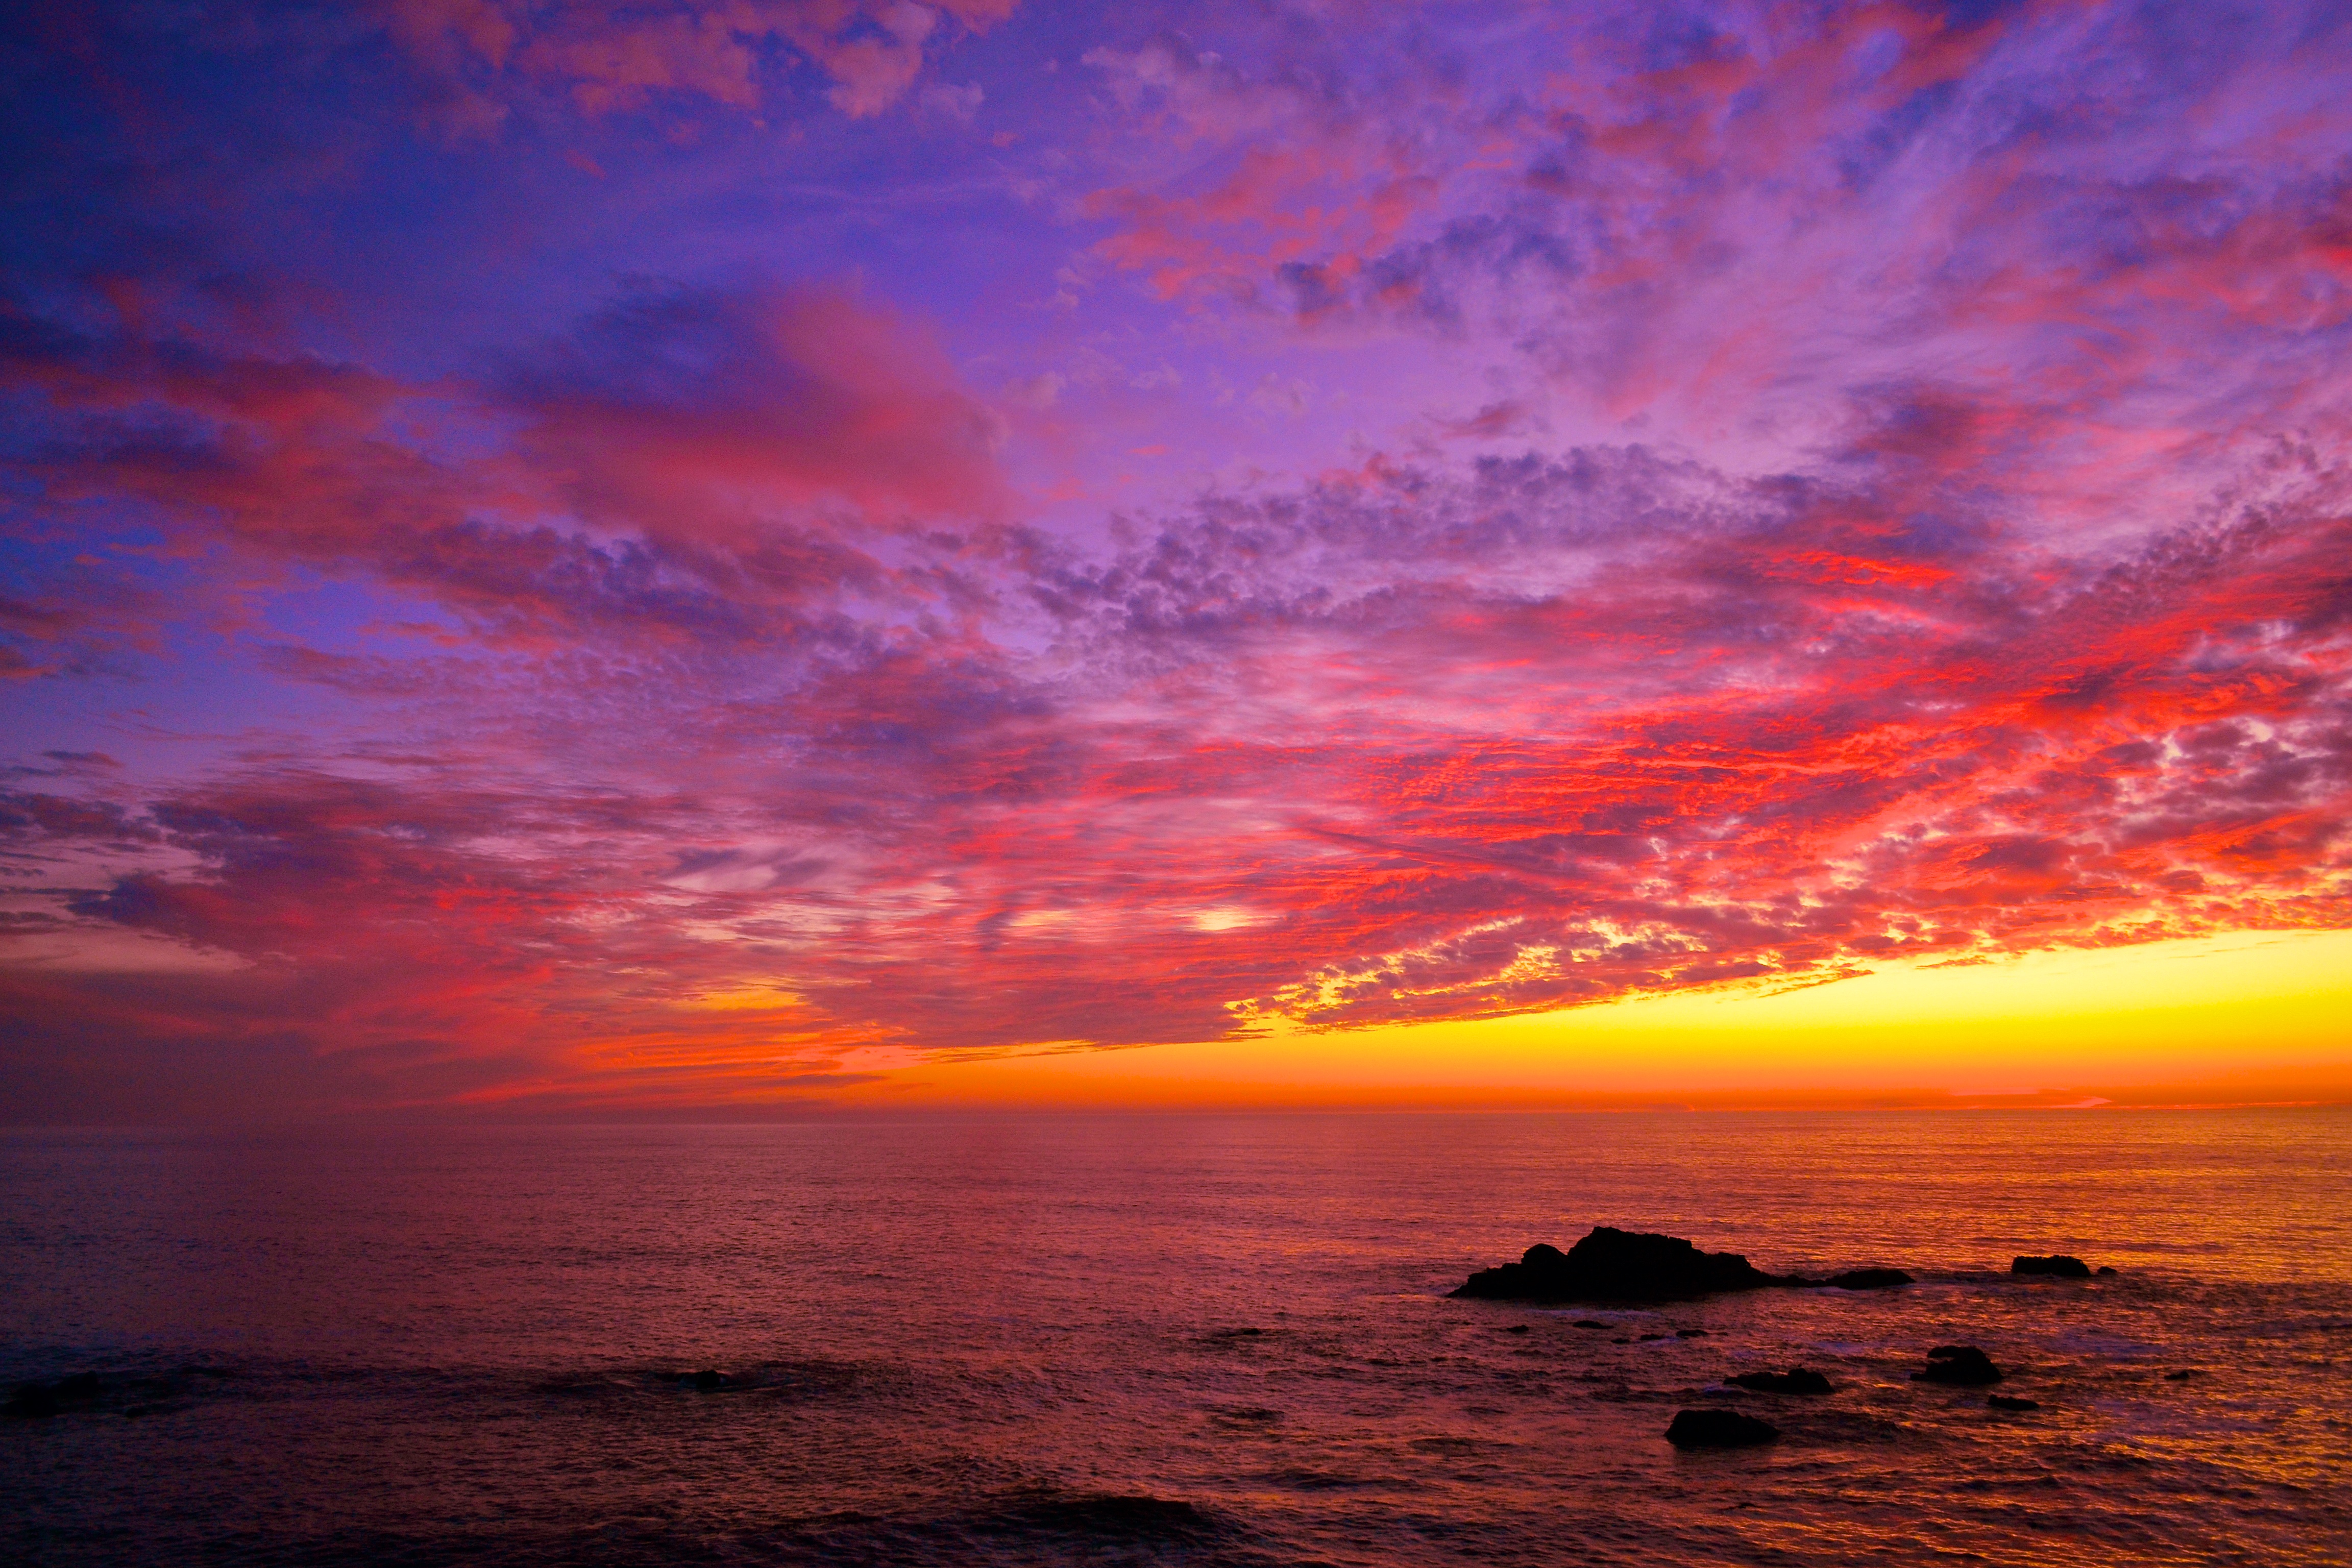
{"type": "Point", "coordinates": [2048, 1028]}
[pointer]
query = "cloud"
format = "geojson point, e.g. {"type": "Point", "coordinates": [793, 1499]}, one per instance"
{"type": "Point", "coordinates": [1862, 484]}
{"type": "Point", "coordinates": [611, 59]}
{"type": "Point", "coordinates": [1747, 739]}
{"type": "Point", "coordinates": [692, 464]}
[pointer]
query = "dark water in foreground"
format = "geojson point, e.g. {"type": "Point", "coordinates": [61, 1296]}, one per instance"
{"type": "Point", "coordinates": [1023, 1340]}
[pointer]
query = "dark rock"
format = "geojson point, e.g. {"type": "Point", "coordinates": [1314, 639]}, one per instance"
{"type": "Point", "coordinates": [2011, 1402]}
{"type": "Point", "coordinates": [1589, 1323]}
{"type": "Point", "coordinates": [2058, 1265]}
{"type": "Point", "coordinates": [1796, 1380]}
{"type": "Point", "coordinates": [706, 1380]}
{"type": "Point", "coordinates": [1647, 1338]}
{"type": "Point", "coordinates": [1612, 1265]}
{"type": "Point", "coordinates": [1868, 1280]}
{"type": "Point", "coordinates": [1962, 1365]}
{"type": "Point", "coordinates": [1621, 1340]}
{"type": "Point", "coordinates": [1095, 1518]}
{"type": "Point", "coordinates": [1690, 1333]}
{"type": "Point", "coordinates": [1517, 1328]}
{"type": "Point", "coordinates": [2183, 1375]}
{"type": "Point", "coordinates": [1718, 1429]}
{"type": "Point", "coordinates": [31, 1403]}
{"type": "Point", "coordinates": [2104, 1268]}
{"type": "Point", "coordinates": [36, 1400]}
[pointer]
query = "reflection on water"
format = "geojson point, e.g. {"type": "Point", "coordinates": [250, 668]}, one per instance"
{"type": "Point", "coordinates": [1170, 1339]}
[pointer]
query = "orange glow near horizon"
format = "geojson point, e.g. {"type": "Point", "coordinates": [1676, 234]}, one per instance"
{"type": "Point", "coordinates": [2251, 1018]}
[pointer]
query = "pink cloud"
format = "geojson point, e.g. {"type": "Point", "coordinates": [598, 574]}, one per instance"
{"type": "Point", "coordinates": [610, 57]}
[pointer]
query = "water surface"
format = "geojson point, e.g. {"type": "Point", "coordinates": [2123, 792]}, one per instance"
{"type": "Point", "coordinates": [1184, 1339]}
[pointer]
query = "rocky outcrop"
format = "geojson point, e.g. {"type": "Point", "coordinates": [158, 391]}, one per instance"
{"type": "Point", "coordinates": [36, 1400]}
{"type": "Point", "coordinates": [1718, 1429]}
{"type": "Point", "coordinates": [2057, 1265]}
{"type": "Point", "coordinates": [1612, 1265]}
{"type": "Point", "coordinates": [1796, 1380]}
{"type": "Point", "coordinates": [2011, 1402]}
{"type": "Point", "coordinates": [1964, 1366]}
{"type": "Point", "coordinates": [1868, 1280]}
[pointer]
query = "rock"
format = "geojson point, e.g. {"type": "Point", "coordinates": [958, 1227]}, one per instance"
{"type": "Point", "coordinates": [2104, 1268]}
{"type": "Point", "coordinates": [1718, 1429]}
{"type": "Point", "coordinates": [1517, 1328]}
{"type": "Point", "coordinates": [2011, 1402]}
{"type": "Point", "coordinates": [708, 1380]}
{"type": "Point", "coordinates": [31, 1403]}
{"type": "Point", "coordinates": [1589, 1323]}
{"type": "Point", "coordinates": [1868, 1280]}
{"type": "Point", "coordinates": [36, 1400]}
{"type": "Point", "coordinates": [1796, 1380]}
{"type": "Point", "coordinates": [2058, 1265]}
{"type": "Point", "coordinates": [1647, 1338]}
{"type": "Point", "coordinates": [1610, 1265]}
{"type": "Point", "coordinates": [2183, 1375]}
{"type": "Point", "coordinates": [1963, 1366]}
{"type": "Point", "coordinates": [1690, 1333]}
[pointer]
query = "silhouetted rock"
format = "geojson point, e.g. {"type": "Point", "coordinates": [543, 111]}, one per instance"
{"type": "Point", "coordinates": [2104, 1268]}
{"type": "Point", "coordinates": [1517, 1328]}
{"type": "Point", "coordinates": [1868, 1280]}
{"type": "Point", "coordinates": [35, 1400]}
{"type": "Point", "coordinates": [1690, 1333]}
{"type": "Point", "coordinates": [1796, 1380]}
{"type": "Point", "coordinates": [32, 1402]}
{"type": "Point", "coordinates": [2183, 1375]}
{"type": "Point", "coordinates": [1589, 1323]}
{"type": "Point", "coordinates": [2011, 1402]}
{"type": "Point", "coordinates": [1612, 1265]}
{"type": "Point", "coordinates": [1647, 1338]}
{"type": "Point", "coordinates": [2057, 1264]}
{"type": "Point", "coordinates": [1964, 1366]}
{"type": "Point", "coordinates": [708, 1380]}
{"type": "Point", "coordinates": [1718, 1429]}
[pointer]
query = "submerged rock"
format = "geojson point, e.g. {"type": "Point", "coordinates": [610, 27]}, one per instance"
{"type": "Point", "coordinates": [2011, 1402]}
{"type": "Point", "coordinates": [32, 1402]}
{"type": "Point", "coordinates": [1962, 1365]}
{"type": "Point", "coordinates": [1718, 1429]}
{"type": "Point", "coordinates": [706, 1380]}
{"type": "Point", "coordinates": [2058, 1265]}
{"type": "Point", "coordinates": [1612, 1265]}
{"type": "Point", "coordinates": [36, 1400]}
{"type": "Point", "coordinates": [1868, 1280]}
{"type": "Point", "coordinates": [1796, 1380]}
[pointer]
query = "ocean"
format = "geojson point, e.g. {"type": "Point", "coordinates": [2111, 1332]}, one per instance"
{"type": "Point", "coordinates": [1183, 1339]}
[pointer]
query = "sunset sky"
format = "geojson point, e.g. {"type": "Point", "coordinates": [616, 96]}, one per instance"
{"type": "Point", "coordinates": [722, 556]}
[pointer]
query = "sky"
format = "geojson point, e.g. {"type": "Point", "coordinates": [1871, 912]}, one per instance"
{"type": "Point", "coordinates": [736, 556]}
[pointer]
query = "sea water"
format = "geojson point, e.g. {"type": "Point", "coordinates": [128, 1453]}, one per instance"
{"type": "Point", "coordinates": [1181, 1338]}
